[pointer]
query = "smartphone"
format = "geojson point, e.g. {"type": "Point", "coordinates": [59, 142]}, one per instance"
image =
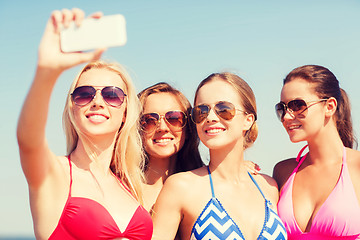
{"type": "Point", "coordinates": [104, 32]}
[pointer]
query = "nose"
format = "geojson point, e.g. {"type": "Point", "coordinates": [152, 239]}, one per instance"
{"type": "Point", "coordinates": [287, 115]}
{"type": "Point", "coordinates": [212, 117]}
{"type": "Point", "coordinates": [98, 99]}
{"type": "Point", "coordinates": [162, 125]}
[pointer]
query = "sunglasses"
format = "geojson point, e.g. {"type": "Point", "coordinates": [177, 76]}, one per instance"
{"type": "Point", "coordinates": [295, 107]}
{"type": "Point", "coordinates": [83, 95]}
{"type": "Point", "coordinates": [176, 120]}
{"type": "Point", "coordinates": [224, 110]}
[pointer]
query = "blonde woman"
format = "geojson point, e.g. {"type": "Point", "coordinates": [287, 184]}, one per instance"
{"type": "Point", "coordinates": [94, 191]}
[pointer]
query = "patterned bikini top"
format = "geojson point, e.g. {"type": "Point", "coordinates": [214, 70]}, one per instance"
{"type": "Point", "coordinates": [215, 223]}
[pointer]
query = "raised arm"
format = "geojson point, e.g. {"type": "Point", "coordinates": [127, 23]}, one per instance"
{"type": "Point", "coordinates": [37, 160]}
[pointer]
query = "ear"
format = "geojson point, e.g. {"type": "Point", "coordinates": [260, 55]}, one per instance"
{"type": "Point", "coordinates": [331, 106]}
{"type": "Point", "coordinates": [249, 120]}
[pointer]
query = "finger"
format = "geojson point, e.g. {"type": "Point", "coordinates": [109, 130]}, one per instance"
{"type": "Point", "coordinates": [257, 167]}
{"type": "Point", "coordinates": [98, 53]}
{"type": "Point", "coordinates": [79, 16]}
{"type": "Point", "coordinates": [96, 15]}
{"type": "Point", "coordinates": [91, 56]}
{"type": "Point", "coordinates": [250, 167]}
{"type": "Point", "coordinates": [56, 19]}
{"type": "Point", "coordinates": [67, 17]}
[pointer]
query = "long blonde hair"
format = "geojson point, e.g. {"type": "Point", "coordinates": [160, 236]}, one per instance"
{"type": "Point", "coordinates": [127, 161]}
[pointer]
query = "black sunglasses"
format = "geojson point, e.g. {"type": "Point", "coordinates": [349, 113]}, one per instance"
{"type": "Point", "coordinates": [295, 107]}
{"type": "Point", "coordinates": [176, 120]}
{"type": "Point", "coordinates": [223, 109]}
{"type": "Point", "coordinates": [114, 96]}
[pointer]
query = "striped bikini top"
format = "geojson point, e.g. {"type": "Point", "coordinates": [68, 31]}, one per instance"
{"type": "Point", "coordinates": [215, 223]}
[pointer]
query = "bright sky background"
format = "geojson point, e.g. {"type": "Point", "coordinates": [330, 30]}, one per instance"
{"type": "Point", "coordinates": [180, 42]}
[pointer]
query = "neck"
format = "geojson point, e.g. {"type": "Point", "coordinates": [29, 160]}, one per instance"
{"type": "Point", "coordinates": [93, 156]}
{"type": "Point", "coordinates": [325, 147]}
{"type": "Point", "coordinates": [159, 169]}
{"type": "Point", "coordinates": [228, 163]}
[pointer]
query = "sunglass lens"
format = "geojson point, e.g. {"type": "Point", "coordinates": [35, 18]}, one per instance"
{"type": "Point", "coordinates": [83, 95]}
{"type": "Point", "coordinates": [114, 96]}
{"type": "Point", "coordinates": [149, 121]}
{"type": "Point", "coordinates": [297, 105]}
{"type": "Point", "coordinates": [280, 110]}
{"type": "Point", "coordinates": [225, 110]}
{"type": "Point", "coordinates": [176, 118]}
{"type": "Point", "coordinates": [199, 113]}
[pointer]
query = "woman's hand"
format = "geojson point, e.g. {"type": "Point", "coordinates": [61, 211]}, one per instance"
{"type": "Point", "coordinates": [50, 55]}
{"type": "Point", "coordinates": [252, 167]}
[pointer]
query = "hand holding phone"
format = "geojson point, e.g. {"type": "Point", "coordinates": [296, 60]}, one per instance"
{"type": "Point", "coordinates": [107, 31]}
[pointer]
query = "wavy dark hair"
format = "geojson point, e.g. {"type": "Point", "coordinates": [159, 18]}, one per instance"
{"type": "Point", "coordinates": [326, 86]}
{"type": "Point", "coordinates": [188, 158]}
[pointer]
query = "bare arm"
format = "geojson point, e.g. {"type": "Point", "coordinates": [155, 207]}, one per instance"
{"type": "Point", "coordinates": [37, 160]}
{"type": "Point", "coordinates": [283, 170]}
{"type": "Point", "coordinates": [167, 212]}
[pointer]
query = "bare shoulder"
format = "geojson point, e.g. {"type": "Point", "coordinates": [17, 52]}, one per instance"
{"type": "Point", "coordinates": [353, 162]}
{"type": "Point", "coordinates": [178, 189]}
{"type": "Point", "coordinates": [283, 170]}
{"type": "Point", "coordinates": [268, 180]}
{"type": "Point", "coordinates": [183, 180]}
{"type": "Point", "coordinates": [59, 177]}
{"type": "Point", "coordinates": [353, 159]}
{"type": "Point", "coordinates": [268, 186]}
{"type": "Point", "coordinates": [64, 162]}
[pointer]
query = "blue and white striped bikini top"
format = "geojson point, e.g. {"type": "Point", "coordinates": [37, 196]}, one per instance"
{"type": "Point", "coordinates": [215, 223]}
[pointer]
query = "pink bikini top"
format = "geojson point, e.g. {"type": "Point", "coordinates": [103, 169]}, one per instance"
{"type": "Point", "coordinates": [338, 217]}
{"type": "Point", "coordinates": [84, 218]}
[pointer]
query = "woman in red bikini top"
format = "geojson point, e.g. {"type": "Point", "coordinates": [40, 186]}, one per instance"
{"type": "Point", "coordinates": [95, 191]}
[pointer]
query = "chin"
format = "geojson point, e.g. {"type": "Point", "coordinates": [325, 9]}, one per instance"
{"type": "Point", "coordinates": [162, 154]}
{"type": "Point", "coordinates": [296, 139]}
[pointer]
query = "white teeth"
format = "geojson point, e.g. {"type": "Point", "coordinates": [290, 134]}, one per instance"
{"type": "Point", "coordinates": [162, 140]}
{"type": "Point", "coordinates": [97, 117]}
{"type": "Point", "coordinates": [294, 127]}
{"type": "Point", "coordinates": [214, 130]}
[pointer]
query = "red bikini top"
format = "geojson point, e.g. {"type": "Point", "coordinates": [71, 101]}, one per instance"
{"type": "Point", "coordinates": [84, 218]}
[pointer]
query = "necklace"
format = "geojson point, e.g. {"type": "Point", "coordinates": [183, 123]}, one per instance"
{"type": "Point", "coordinates": [157, 171]}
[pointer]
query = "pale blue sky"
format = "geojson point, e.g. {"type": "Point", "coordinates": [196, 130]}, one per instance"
{"type": "Point", "coordinates": [181, 42]}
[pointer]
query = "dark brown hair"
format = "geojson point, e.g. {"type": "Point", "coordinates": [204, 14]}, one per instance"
{"type": "Point", "coordinates": [326, 86]}
{"type": "Point", "coordinates": [247, 97]}
{"type": "Point", "coordinates": [188, 157]}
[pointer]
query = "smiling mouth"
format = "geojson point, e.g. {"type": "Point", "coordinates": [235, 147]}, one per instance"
{"type": "Point", "coordinates": [97, 118]}
{"type": "Point", "coordinates": [214, 130]}
{"type": "Point", "coordinates": [162, 140]}
{"type": "Point", "coordinates": [294, 127]}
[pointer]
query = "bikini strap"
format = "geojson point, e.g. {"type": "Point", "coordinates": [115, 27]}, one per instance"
{"type": "Point", "coordinates": [211, 183]}
{"type": "Point", "coordinates": [122, 184]}
{"type": "Point", "coordinates": [257, 185]}
{"type": "Point", "coordinates": [70, 166]}
{"type": "Point", "coordinates": [300, 159]}
{"type": "Point", "coordinates": [301, 151]}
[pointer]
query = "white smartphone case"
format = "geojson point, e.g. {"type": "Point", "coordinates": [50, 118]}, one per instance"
{"type": "Point", "coordinates": [107, 31]}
